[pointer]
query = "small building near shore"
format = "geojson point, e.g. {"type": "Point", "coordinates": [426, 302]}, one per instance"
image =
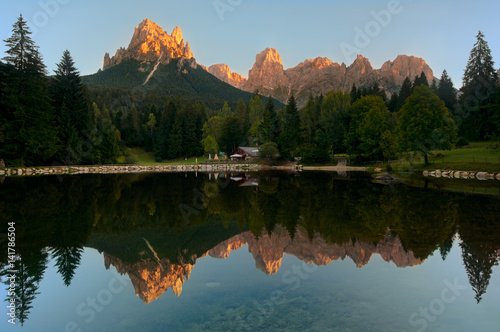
{"type": "Point", "coordinates": [243, 153]}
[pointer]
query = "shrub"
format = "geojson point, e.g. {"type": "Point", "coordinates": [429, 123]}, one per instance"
{"type": "Point", "coordinates": [312, 153]}
{"type": "Point", "coordinates": [462, 141]}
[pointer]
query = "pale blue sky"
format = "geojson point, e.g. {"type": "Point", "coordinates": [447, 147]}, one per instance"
{"type": "Point", "coordinates": [442, 32]}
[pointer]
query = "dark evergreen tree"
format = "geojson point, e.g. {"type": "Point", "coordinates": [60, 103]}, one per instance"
{"type": "Point", "coordinates": [394, 103]}
{"type": "Point", "coordinates": [375, 90]}
{"type": "Point", "coordinates": [133, 135]}
{"type": "Point", "coordinates": [355, 93]}
{"type": "Point", "coordinates": [268, 129]}
{"type": "Point", "coordinates": [419, 80]}
{"type": "Point", "coordinates": [191, 141]}
{"type": "Point", "coordinates": [67, 261]}
{"type": "Point", "coordinates": [33, 120]}
{"type": "Point", "coordinates": [434, 86]}
{"type": "Point", "coordinates": [175, 139]}
{"type": "Point", "coordinates": [104, 139]}
{"type": "Point", "coordinates": [478, 90]}
{"type": "Point", "coordinates": [243, 117]}
{"type": "Point", "coordinates": [290, 137]}
{"type": "Point", "coordinates": [231, 136]}
{"type": "Point", "coordinates": [447, 92]}
{"type": "Point", "coordinates": [72, 110]}
{"type": "Point", "coordinates": [201, 119]}
{"type": "Point", "coordinates": [405, 92]}
{"type": "Point", "coordinates": [309, 120]}
{"type": "Point", "coordinates": [478, 263]}
{"type": "Point", "coordinates": [10, 142]}
{"type": "Point", "coordinates": [166, 124]}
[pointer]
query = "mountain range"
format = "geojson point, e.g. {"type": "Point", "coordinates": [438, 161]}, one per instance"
{"type": "Point", "coordinates": [320, 75]}
{"type": "Point", "coordinates": [152, 52]}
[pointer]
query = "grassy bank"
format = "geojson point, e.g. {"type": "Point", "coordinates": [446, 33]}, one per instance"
{"type": "Point", "coordinates": [475, 157]}
{"type": "Point", "coordinates": [143, 158]}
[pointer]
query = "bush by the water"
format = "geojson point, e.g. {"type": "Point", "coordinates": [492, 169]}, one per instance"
{"type": "Point", "coordinates": [313, 154]}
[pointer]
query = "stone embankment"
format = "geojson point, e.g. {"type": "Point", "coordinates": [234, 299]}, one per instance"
{"type": "Point", "coordinates": [118, 169]}
{"type": "Point", "coordinates": [461, 175]}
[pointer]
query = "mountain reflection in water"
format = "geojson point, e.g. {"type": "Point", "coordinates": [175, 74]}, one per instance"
{"type": "Point", "coordinates": [152, 278]}
{"type": "Point", "coordinates": [140, 224]}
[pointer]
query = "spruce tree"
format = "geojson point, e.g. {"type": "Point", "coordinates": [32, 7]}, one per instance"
{"type": "Point", "coordinates": [290, 137]}
{"type": "Point", "coordinates": [405, 92]}
{"type": "Point", "coordinates": [269, 126]}
{"type": "Point", "coordinates": [419, 80]}
{"type": "Point", "coordinates": [446, 91]}
{"type": "Point", "coordinates": [242, 115]}
{"type": "Point", "coordinates": [34, 119]}
{"type": "Point", "coordinates": [478, 90]}
{"type": "Point", "coordinates": [309, 120]}
{"type": "Point", "coordinates": [72, 110]}
{"type": "Point", "coordinates": [190, 140]}
{"type": "Point", "coordinates": [434, 86]}
{"type": "Point", "coordinates": [133, 133]}
{"type": "Point", "coordinates": [166, 124]}
{"type": "Point", "coordinates": [394, 102]}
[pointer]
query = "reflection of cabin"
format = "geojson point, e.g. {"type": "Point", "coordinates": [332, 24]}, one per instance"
{"type": "Point", "coordinates": [245, 153]}
{"type": "Point", "coordinates": [244, 180]}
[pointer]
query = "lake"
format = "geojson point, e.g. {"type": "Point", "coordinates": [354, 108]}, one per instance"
{"type": "Point", "coordinates": [239, 252]}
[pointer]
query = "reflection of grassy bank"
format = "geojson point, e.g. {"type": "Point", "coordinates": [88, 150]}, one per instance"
{"type": "Point", "coordinates": [468, 186]}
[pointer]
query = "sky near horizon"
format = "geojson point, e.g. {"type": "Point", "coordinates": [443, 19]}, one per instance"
{"type": "Point", "coordinates": [234, 31]}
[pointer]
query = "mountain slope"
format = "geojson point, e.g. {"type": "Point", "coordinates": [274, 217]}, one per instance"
{"type": "Point", "coordinates": [178, 77]}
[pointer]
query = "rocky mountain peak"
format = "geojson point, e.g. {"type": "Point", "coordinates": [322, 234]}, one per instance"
{"type": "Point", "coordinates": [177, 34]}
{"type": "Point", "coordinates": [149, 43]}
{"type": "Point", "coordinates": [267, 72]}
{"type": "Point", "coordinates": [362, 65]}
{"type": "Point", "coordinates": [318, 63]}
{"type": "Point", "coordinates": [268, 55]}
{"type": "Point", "coordinates": [405, 65]}
{"type": "Point", "coordinates": [223, 72]}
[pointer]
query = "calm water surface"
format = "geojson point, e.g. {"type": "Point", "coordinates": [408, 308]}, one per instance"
{"type": "Point", "coordinates": [233, 252]}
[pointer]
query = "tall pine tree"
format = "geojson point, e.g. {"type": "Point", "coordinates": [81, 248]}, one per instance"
{"type": "Point", "coordinates": [33, 118]}
{"type": "Point", "coordinates": [72, 110]}
{"type": "Point", "coordinates": [447, 92]}
{"type": "Point", "coordinates": [478, 90]}
{"type": "Point", "coordinates": [290, 137]}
